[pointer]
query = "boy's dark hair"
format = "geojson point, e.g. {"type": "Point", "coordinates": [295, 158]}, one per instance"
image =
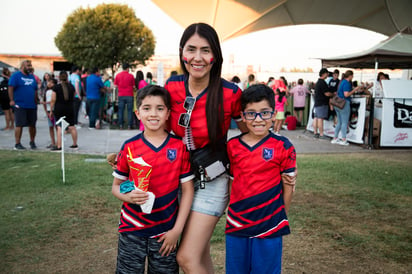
{"type": "Point", "coordinates": [125, 66]}
{"type": "Point", "coordinates": [300, 81]}
{"type": "Point", "coordinates": [257, 93]}
{"type": "Point", "coordinates": [235, 79]}
{"type": "Point", "coordinates": [153, 90]}
{"type": "Point", "coordinates": [74, 69]}
{"type": "Point", "coordinates": [287, 113]}
{"type": "Point", "coordinates": [149, 75]}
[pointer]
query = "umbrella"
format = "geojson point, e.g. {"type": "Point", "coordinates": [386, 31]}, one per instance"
{"type": "Point", "coordinates": [232, 18]}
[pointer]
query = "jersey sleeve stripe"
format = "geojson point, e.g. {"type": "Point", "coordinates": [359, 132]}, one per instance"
{"type": "Point", "coordinates": [120, 175]}
{"type": "Point", "coordinates": [289, 170]}
{"type": "Point", "coordinates": [187, 179]}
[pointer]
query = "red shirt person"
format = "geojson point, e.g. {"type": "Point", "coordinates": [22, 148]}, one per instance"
{"type": "Point", "coordinates": [125, 84]}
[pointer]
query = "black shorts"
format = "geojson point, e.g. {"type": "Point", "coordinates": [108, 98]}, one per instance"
{"type": "Point", "coordinates": [299, 108]}
{"type": "Point", "coordinates": [25, 117]}
{"type": "Point", "coordinates": [133, 251]}
{"type": "Point", "coordinates": [4, 100]}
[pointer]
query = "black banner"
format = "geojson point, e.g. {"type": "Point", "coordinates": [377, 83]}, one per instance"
{"type": "Point", "coordinates": [402, 115]}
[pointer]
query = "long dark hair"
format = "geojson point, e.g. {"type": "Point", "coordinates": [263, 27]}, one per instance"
{"type": "Point", "coordinates": [281, 95]}
{"type": "Point", "coordinates": [139, 77]}
{"type": "Point", "coordinates": [65, 85]}
{"type": "Point", "coordinates": [214, 103]}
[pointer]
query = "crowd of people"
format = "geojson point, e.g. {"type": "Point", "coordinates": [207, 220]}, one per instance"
{"type": "Point", "coordinates": [328, 86]}
{"type": "Point", "coordinates": [88, 92]}
{"type": "Point", "coordinates": [283, 91]}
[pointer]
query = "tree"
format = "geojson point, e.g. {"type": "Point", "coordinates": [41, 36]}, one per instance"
{"type": "Point", "coordinates": [104, 36]}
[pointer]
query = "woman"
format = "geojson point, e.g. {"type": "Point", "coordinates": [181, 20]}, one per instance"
{"type": "Point", "coordinates": [139, 80]}
{"type": "Point", "coordinates": [104, 99]}
{"type": "Point", "coordinates": [139, 83]}
{"type": "Point", "coordinates": [5, 100]}
{"type": "Point", "coordinates": [378, 84]}
{"type": "Point", "coordinates": [62, 103]}
{"type": "Point", "coordinates": [43, 87]}
{"type": "Point", "coordinates": [202, 106]}
{"type": "Point", "coordinates": [344, 91]}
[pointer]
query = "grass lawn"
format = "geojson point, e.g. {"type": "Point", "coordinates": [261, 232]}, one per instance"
{"type": "Point", "coordinates": [351, 213]}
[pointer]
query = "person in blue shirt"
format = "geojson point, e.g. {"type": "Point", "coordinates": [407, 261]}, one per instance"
{"type": "Point", "coordinates": [24, 100]}
{"type": "Point", "coordinates": [94, 87]}
{"type": "Point", "coordinates": [75, 80]}
{"type": "Point", "coordinates": [345, 91]}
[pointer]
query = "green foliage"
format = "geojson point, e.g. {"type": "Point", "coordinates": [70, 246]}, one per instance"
{"type": "Point", "coordinates": [105, 35]}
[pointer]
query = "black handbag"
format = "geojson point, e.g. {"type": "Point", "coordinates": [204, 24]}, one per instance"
{"type": "Point", "coordinates": [208, 164]}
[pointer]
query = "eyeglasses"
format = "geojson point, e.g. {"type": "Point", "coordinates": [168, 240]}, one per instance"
{"type": "Point", "coordinates": [188, 105]}
{"type": "Point", "coordinates": [264, 115]}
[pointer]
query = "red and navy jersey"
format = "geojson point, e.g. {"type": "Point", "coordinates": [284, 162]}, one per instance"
{"type": "Point", "coordinates": [256, 208]}
{"type": "Point", "coordinates": [170, 164]}
{"type": "Point", "coordinates": [178, 89]}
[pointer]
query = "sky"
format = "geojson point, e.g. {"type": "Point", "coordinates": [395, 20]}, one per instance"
{"type": "Point", "coordinates": [31, 26]}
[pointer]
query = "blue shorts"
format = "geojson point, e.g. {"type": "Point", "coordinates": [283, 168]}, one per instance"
{"type": "Point", "coordinates": [214, 198]}
{"type": "Point", "coordinates": [51, 121]}
{"type": "Point", "coordinates": [253, 255]}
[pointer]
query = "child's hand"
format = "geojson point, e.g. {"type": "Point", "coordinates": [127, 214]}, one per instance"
{"type": "Point", "coordinates": [169, 242]}
{"type": "Point", "coordinates": [111, 160]}
{"type": "Point", "coordinates": [290, 180]}
{"type": "Point", "coordinates": [137, 197]}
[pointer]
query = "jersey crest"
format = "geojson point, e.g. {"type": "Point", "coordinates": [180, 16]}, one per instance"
{"type": "Point", "coordinates": [267, 154]}
{"type": "Point", "coordinates": [171, 154]}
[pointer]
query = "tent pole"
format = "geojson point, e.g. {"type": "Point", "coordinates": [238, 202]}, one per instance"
{"type": "Point", "coordinates": [372, 108]}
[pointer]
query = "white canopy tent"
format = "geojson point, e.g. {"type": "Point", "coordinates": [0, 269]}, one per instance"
{"type": "Point", "coordinates": [232, 18]}
{"type": "Point", "coordinates": [394, 52]}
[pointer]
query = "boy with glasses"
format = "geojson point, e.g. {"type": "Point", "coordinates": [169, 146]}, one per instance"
{"type": "Point", "coordinates": [263, 175]}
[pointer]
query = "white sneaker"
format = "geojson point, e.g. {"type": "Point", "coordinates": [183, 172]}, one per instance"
{"type": "Point", "coordinates": [343, 143]}
{"type": "Point", "coordinates": [334, 141]}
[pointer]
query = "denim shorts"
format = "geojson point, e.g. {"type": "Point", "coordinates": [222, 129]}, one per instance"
{"type": "Point", "coordinates": [322, 112]}
{"type": "Point", "coordinates": [214, 198]}
{"type": "Point", "coordinates": [51, 121]}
